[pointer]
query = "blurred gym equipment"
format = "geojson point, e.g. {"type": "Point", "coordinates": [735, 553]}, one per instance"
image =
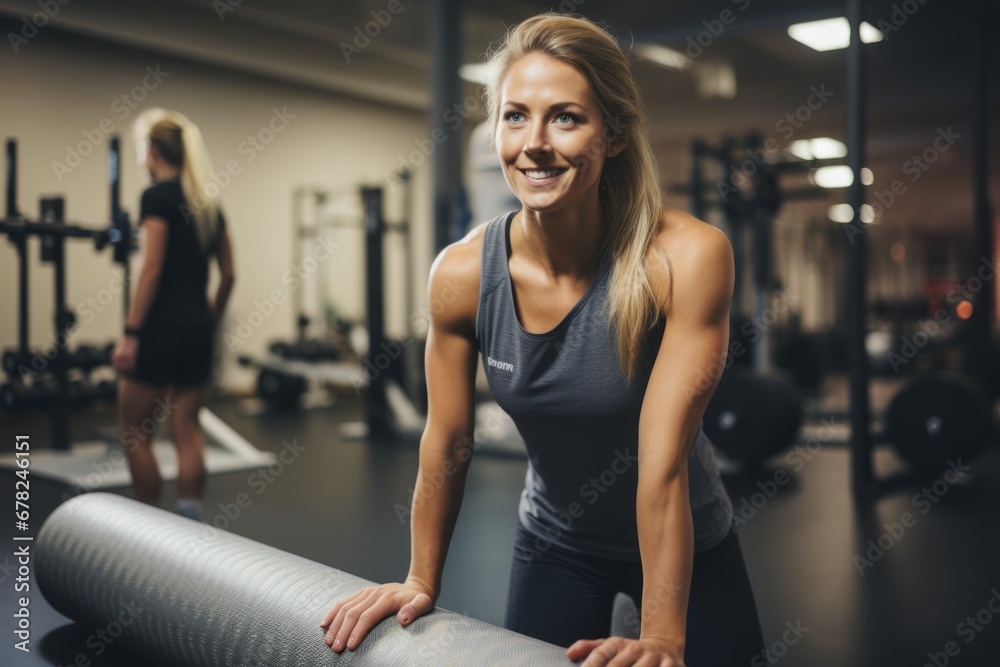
{"type": "Point", "coordinates": [92, 464]}
{"type": "Point", "coordinates": [756, 413]}
{"type": "Point", "coordinates": [933, 418]}
{"type": "Point", "coordinates": [26, 367]}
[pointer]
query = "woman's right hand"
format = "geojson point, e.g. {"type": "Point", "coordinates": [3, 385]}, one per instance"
{"type": "Point", "coordinates": [351, 619]}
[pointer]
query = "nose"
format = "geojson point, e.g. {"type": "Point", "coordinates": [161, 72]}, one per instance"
{"type": "Point", "coordinates": [536, 140]}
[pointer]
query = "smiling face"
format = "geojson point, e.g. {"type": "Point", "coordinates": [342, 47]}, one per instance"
{"type": "Point", "coordinates": [550, 134]}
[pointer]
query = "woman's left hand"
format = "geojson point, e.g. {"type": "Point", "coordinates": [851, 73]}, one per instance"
{"type": "Point", "coordinates": [622, 652]}
{"type": "Point", "coordinates": [123, 358]}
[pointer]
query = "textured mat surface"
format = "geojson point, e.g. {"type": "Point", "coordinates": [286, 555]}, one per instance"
{"type": "Point", "coordinates": [185, 593]}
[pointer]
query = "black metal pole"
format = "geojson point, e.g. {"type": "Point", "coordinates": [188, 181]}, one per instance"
{"type": "Point", "coordinates": [980, 365]}
{"type": "Point", "coordinates": [697, 196]}
{"type": "Point", "coordinates": [52, 210]}
{"type": "Point", "coordinates": [117, 221]}
{"type": "Point", "coordinates": [11, 157]}
{"type": "Point", "coordinates": [21, 242]}
{"type": "Point", "coordinates": [445, 31]}
{"type": "Point", "coordinates": [761, 249]}
{"type": "Point", "coordinates": [862, 476]}
{"type": "Point", "coordinates": [376, 401]}
{"type": "Point", "coordinates": [114, 175]}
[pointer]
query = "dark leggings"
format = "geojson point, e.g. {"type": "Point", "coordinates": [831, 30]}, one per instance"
{"type": "Point", "coordinates": [560, 596]}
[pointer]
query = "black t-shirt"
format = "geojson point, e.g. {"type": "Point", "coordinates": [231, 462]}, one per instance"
{"type": "Point", "coordinates": [181, 297]}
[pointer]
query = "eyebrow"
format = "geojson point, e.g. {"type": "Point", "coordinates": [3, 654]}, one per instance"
{"type": "Point", "coordinates": [552, 107]}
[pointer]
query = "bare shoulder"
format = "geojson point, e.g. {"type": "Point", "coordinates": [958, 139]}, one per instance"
{"type": "Point", "coordinates": [453, 286]}
{"type": "Point", "coordinates": [697, 256]}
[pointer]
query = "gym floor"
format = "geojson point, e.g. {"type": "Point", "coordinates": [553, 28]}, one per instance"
{"type": "Point", "coordinates": [336, 503]}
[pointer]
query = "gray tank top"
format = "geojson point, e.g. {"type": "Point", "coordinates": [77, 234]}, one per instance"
{"type": "Point", "coordinates": [579, 418]}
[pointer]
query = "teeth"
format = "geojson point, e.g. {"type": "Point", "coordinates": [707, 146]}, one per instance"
{"type": "Point", "coordinates": [543, 174]}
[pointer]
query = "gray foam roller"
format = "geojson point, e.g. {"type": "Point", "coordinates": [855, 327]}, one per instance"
{"type": "Point", "coordinates": [191, 594]}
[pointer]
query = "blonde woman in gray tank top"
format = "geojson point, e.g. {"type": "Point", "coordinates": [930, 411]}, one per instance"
{"type": "Point", "coordinates": [601, 319]}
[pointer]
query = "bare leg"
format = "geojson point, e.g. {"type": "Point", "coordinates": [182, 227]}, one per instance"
{"type": "Point", "coordinates": [185, 403]}
{"type": "Point", "coordinates": [137, 418]}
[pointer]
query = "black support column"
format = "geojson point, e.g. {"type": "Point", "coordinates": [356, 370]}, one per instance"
{"type": "Point", "coordinates": [855, 305]}
{"type": "Point", "coordinates": [980, 365]}
{"type": "Point", "coordinates": [446, 92]}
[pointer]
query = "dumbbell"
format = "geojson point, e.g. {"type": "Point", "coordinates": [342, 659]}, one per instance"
{"type": "Point", "coordinates": [89, 357]}
{"type": "Point", "coordinates": [13, 359]}
{"type": "Point", "coordinates": [84, 390]}
{"type": "Point", "coordinates": [19, 396]}
{"type": "Point", "coordinates": [279, 389]}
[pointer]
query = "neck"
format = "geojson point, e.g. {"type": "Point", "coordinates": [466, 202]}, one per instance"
{"type": "Point", "coordinates": [565, 242]}
{"type": "Point", "coordinates": [163, 172]}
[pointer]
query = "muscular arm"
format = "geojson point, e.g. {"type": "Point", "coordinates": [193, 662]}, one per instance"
{"type": "Point", "coordinates": [153, 242]}
{"type": "Point", "coordinates": [684, 376]}
{"type": "Point", "coordinates": [445, 451]}
{"type": "Point", "coordinates": [446, 446]}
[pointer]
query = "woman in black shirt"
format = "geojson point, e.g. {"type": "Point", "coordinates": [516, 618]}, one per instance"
{"type": "Point", "coordinates": [165, 356]}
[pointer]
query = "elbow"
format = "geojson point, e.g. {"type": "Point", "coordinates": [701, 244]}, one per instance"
{"type": "Point", "coordinates": [228, 279]}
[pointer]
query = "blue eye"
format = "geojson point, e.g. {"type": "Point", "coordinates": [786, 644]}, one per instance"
{"type": "Point", "coordinates": [509, 114]}
{"type": "Point", "coordinates": [570, 116]}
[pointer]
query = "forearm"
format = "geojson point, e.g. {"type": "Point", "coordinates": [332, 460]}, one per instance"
{"type": "Point", "coordinates": [222, 297]}
{"type": "Point", "coordinates": [437, 499]}
{"type": "Point", "coordinates": [145, 292]}
{"type": "Point", "coordinates": [666, 542]}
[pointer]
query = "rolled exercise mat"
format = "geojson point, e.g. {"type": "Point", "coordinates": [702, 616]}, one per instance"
{"type": "Point", "coordinates": [187, 593]}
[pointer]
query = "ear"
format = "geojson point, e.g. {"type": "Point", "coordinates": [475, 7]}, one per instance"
{"type": "Point", "coordinates": [616, 147]}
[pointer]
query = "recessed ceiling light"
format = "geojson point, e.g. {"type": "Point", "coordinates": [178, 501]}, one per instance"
{"type": "Point", "coordinates": [840, 176]}
{"type": "Point", "coordinates": [831, 34]}
{"type": "Point", "coordinates": [819, 148]}
{"type": "Point", "coordinates": [663, 56]}
{"type": "Point", "coordinates": [842, 213]}
{"type": "Point", "coordinates": [475, 73]}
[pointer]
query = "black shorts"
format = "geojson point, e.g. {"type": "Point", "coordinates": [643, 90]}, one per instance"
{"type": "Point", "coordinates": [178, 354]}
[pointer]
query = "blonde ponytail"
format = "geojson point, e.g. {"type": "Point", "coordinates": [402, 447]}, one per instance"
{"type": "Point", "coordinates": [181, 145]}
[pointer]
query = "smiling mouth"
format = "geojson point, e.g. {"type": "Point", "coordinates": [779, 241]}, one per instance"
{"type": "Point", "coordinates": [543, 174]}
